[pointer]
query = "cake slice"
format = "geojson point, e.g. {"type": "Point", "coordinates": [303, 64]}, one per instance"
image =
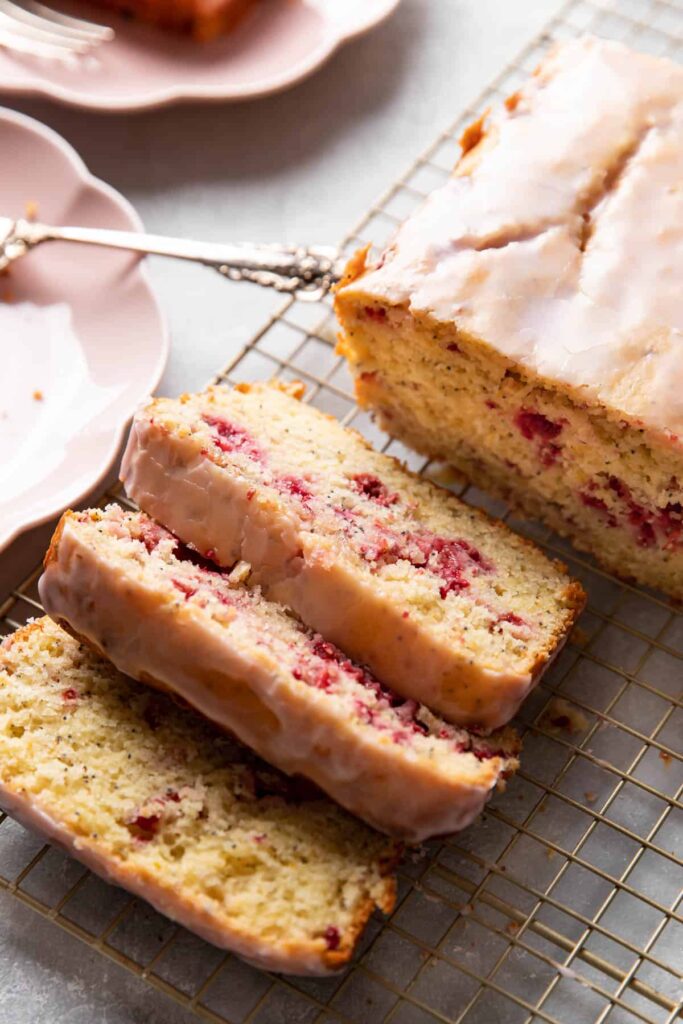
{"type": "Point", "coordinates": [201, 19]}
{"type": "Point", "coordinates": [526, 323]}
{"type": "Point", "coordinates": [164, 616]}
{"type": "Point", "coordinates": [446, 606]}
{"type": "Point", "coordinates": [154, 799]}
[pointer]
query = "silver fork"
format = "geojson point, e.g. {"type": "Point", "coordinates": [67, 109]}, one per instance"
{"type": "Point", "coordinates": [31, 28]}
{"type": "Point", "coordinates": [310, 271]}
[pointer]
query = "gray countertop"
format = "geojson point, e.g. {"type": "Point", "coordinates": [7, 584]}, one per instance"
{"type": "Point", "coordinates": [302, 165]}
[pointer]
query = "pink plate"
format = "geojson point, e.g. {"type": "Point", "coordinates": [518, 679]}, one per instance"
{"type": "Point", "coordinates": [82, 339]}
{"type": "Point", "coordinates": [279, 43]}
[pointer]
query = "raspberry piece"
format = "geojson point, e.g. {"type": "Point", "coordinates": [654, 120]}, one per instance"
{"type": "Point", "coordinates": [550, 453]}
{"type": "Point", "coordinates": [324, 649]}
{"type": "Point", "coordinates": [451, 560]}
{"type": "Point", "coordinates": [376, 313]}
{"type": "Point", "coordinates": [593, 501]}
{"type": "Point", "coordinates": [371, 487]}
{"type": "Point", "coordinates": [295, 486]}
{"type": "Point", "coordinates": [646, 535]}
{"type": "Point", "coordinates": [151, 535]}
{"type": "Point", "coordinates": [511, 617]}
{"type": "Point", "coordinates": [535, 425]}
{"type": "Point", "coordinates": [145, 826]}
{"type": "Point", "coordinates": [484, 754]}
{"type": "Point", "coordinates": [184, 587]}
{"type": "Point", "coordinates": [231, 437]}
{"type": "Point", "coordinates": [332, 937]}
{"type": "Point", "coordinates": [639, 516]}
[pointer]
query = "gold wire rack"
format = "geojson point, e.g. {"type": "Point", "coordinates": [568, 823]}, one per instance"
{"type": "Point", "coordinates": [562, 904]}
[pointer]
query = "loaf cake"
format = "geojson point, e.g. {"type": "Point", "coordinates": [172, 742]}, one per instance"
{"type": "Point", "coordinates": [153, 798]}
{"type": "Point", "coordinates": [445, 606]}
{"type": "Point", "coordinates": [201, 19]}
{"type": "Point", "coordinates": [525, 323]}
{"type": "Point", "coordinates": [164, 616]}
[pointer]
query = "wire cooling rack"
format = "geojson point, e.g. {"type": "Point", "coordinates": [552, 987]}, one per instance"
{"type": "Point", "coordinates": [562, 904]}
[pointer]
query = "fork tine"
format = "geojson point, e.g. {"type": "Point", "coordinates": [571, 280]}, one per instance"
{"type": "Point", "coordinates": [18, 26]}
{"type": "Point", "coordinates": [11, 40]}
{"type": "Point", "coordinates": [87, 29]}
{"type": "Point", "coordinates": [32, 27]}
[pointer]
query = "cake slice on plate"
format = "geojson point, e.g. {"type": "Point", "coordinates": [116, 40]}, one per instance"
{"type": "Point", "coordinates": [201, 19]}
{"type": "Point", "coordinates": [169, 618]}
{"type": "Point", "coordinates": [153, 798]}
{"type": "Point", "coordinates": [446, 606]}
{"type": "Point", "coordinates": [526, 323]}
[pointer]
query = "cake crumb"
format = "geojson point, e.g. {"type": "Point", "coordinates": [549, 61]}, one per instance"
{"type": "Point", "coordinates": [466, 909]}
{"type": "Point", "coordinates": [590, 797]}
{"type": "Point", "coordinates": [447, 475]}
{"type": "Point", "coordinates": [512, 928]}
{"type": "Point", "coordinates": [579, 636]}
{"type": "Point", "coordinates": [561, 716]}
{"type": "Point", "coordinates": [416, 853]}
{"type": "Point", "coordinates": [239, 574]}
{"type": "Point", "coordinates": [31, 209]}
{"type": "Point", "coordinates": [38, 395]}
{"type": "Point", "coordinates": [666, 758]}
{"type": "Point", "coordinates": [473, 134]}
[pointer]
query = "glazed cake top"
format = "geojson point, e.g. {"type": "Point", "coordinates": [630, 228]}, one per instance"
{"type": "Point", "coordinates": [559, 238]}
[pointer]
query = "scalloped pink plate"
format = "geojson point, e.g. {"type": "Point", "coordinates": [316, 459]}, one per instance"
{"type": "Point", "coordinates": [278, 43]}
{"type": "Point", "coordinates": [82, 339]}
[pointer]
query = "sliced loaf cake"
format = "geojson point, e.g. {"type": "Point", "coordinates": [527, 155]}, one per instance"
{"type": "Point", "coordinates": [525, 324]}
{"type": "Point", "coordinates": [154, 799]}
{"type": "Point", "coordinates": [446, 606]}
{"type": "Point", "coordinates": [167, 617]}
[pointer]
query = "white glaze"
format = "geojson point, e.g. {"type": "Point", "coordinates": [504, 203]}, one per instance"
{"type": "Point", "coordinates": [240, 687]}
{"type": "Point", "coordinates": [497, 250]}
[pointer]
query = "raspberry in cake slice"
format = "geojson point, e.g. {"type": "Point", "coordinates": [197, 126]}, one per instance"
{"type": "Point", "coordinates": [525, 324]}
{"type": "Point", "coordinates": [167, 617]}
{"type": "Point", "coordinates": [446, 606]}
{"type": "Point", "coordinates": [153, 798]}
{"type": "Point", "coordinates": [201, 19]}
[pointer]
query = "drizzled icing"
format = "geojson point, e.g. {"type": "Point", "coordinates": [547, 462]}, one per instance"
{"type": "Point", "coordinates": [559, 239]}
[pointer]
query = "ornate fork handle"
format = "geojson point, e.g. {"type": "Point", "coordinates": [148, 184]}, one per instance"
{"type": "Point", "coordinates": [308, 270]}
